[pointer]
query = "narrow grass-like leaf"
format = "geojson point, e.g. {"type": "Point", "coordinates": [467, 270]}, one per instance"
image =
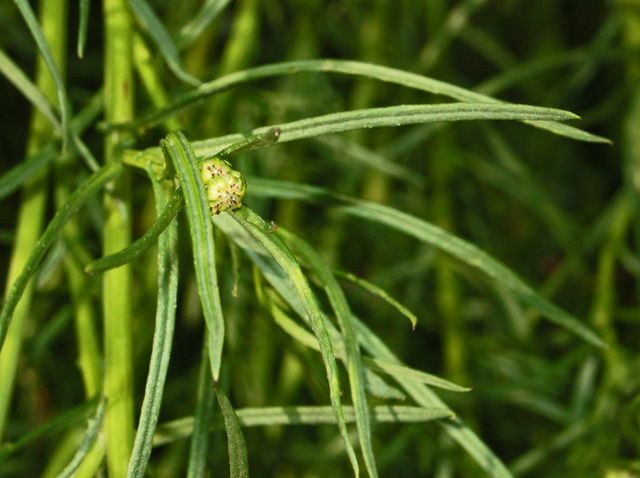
{"type": "Point", "coordinates": [455, 428]}
{"type": "Point", "coordinates": [238, 460]}
{"type": "Point", "coordinates": [51, 233]}
{"type": "Point", "coordinates": [433, 235]}
{"type": "Point", "coordinates": [261, 233]}
{"type": "Point", "coordinates": [419, 392]}
{"type": "Point", "coordinates": [17, 78]}
{"type": "Point", "coordinates": [200, 21]}
{"type": "Point", "coordinates": [355, 68]}
{"type": "Point", "coordinates": [342, 312]}
{"type": "Point", "coordinates": [201, 422]}
{"type": "Point", "coordinates": [163, 333]}
{"type": "Point", "coordinates": [368, 118]}
{"type": "Point", "coordinates": [19, 174]}
{"type": "Point", "coordinates": [378, 291]}
{"type": "Point", "coordinates": [93, 430]}
{"type": "Point", "coordinates": [171, 209]}
{"type": "Point", "coordinates": [374, 383]}
{"type": "Point", "coordinates": [63, 101]}
{"type": "Point", "coordinates": [83, 25]}
{"type": "Point", "coordinates": [152, 24]}
{"type": "Point", "coordinates": [304, 415]}
{"type": "Point", "coordinates": [390, 116]}
{"type": "Point", "coordinates": [65, 420]}
{"type": "Point", "coordinates": [352, 150]}
{"type": "Point", "coordinates": [78, 124]}
{"type": "Point", "coordinates": [394, 370]}
{"type": "Point", "coordinates": [177, 149]}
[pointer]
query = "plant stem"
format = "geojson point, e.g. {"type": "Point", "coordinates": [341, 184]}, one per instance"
{"type": "Point", "coordinates": [32, 208]}
{"type": "Point", "coordinates": [118, 379]}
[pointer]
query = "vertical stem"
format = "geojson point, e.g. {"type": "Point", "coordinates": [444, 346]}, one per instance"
{"type": "Point", "coordinates": [118, 381]}
{"type": "Point", "coordinates": [53, 15]}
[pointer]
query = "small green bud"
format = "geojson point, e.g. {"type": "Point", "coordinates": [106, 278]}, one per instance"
{"type": "Point", "coordinates": [225, 186]}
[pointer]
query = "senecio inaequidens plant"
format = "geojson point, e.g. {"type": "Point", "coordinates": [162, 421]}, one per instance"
{"type": "Point", "coordinates": [286, 337]}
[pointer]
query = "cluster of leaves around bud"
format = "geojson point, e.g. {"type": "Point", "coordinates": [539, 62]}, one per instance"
{"type": "Point", "coordinates": [225, 186]}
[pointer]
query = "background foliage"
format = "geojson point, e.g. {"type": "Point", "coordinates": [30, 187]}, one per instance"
{"type": "Point", "coordinates": [562, 214]}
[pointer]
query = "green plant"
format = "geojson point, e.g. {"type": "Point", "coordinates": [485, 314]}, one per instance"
{"type": "Point", "coordinates": [264, 265]}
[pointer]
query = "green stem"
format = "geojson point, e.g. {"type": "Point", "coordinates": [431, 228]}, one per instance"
{"type": "Point", "coordinates": [116, 290]}
{"type": "Point", "coordinates": [32, 208]}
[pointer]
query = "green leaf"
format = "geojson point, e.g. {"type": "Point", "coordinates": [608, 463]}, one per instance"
{"type": "Point", "coordinates": [378, 291]}
{"type": "Point", "coordinates": [350, 150]}
{"type": "Point", "coordinates": [200, 21]}
{"type": "Point", "coordinates": [342, 312]}
{"type": "Point", "coordinates": [17, 78]}
{"type": "Point", "coordinates": [259, 234]}
{"type": "Point", "coordinates": [177, 149]}
{"type": "Point", "coordinates": [93, 430]}
{"type": "Point", "coordinates": [374, 383]}
{"type": "Point", "coordinates": [390, 116]}
{"type": "Point", "coordinates": [22, 172]}
{"type": "Point", "coordinates": [394, 370]}
{"type": "Point", "coordinates": [201, 422]}
{"type": "Point", "coordinates": [419, 392]}
{"type": "Point", "coordinates": [47, 56]}
{"type": "Point", "coordinates": [54, 426]}
{"type": "Point", "coordinates": [83, 24]}
{"type": "Point", "coordinates": [304, 415]}
{"type": "Point", "coordinates": [430, 234]}
{"type": "Point", "coordinates": [238, 460]}
{"type": "Point", "coordinates": [171, 209]}
{"type": "Point", "coordinates": [355, 68]}
{"type": "Point", "coordinates": [150, 22]}
{"type": "Point", "coordinates": [455, 428]}
{"type": "Point", "coordinates": [51, 233]}
{"type": "Point", "coordinates": [163, 333]}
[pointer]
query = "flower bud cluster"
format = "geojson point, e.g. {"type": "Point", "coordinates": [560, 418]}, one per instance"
{"type": "Point", "coordinates": [225, 186]}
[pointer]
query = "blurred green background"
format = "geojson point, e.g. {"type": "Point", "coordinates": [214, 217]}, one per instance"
{"type": "Point", "coordinates": [562, 214]}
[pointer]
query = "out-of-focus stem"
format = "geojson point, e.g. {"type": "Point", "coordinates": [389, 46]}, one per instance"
{"type": "Point", "coordinates": [116, 289]}
{"type": "Point", "coordinates": [53, 14]}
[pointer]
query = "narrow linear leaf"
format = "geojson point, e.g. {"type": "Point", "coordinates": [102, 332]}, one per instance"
{"type": "Point", "coordinates": [346, 67]}
{"type": "Point", "coordinates": [238, 460]}
{"type": "Point", "coordinates": [36, 32]}
{"type": "Point", "coordinates": [83, 24]}
{"type": "Point", "coordinates": [163, 333]}
{"type": "Point", "coordinates": [177, 149]}
{"type": "Point", "coordinates": [376, 386]}
{"type": "Point", "coordinates": [412, 374]}
{"type": "Point", "coordinates": [380, 292]}
{"type": "Point", "coordinates": [22, 172]}
{"type": "Point", "coordinates": [304, 415]}
{"type": "Point", "coordinates": [152, 24]}
{"type": "Point", "coordinates": [89, 187]}
{"type": "Point", "coordinates": [455, 428]}
{"type": "Point", "coordinates": [17, 78]}
{"type": "Point", "coordinates": [342, 312]}
{"type": "Point", "coordinates": [390, 116]}
{"type": "Point", "coordinates": [260, 232]}
{"type": "Point", "coordinates": [56, 425]}
{"type": "Point", "coordinates": [198, 23]}
{"type": "Point", "coordinates": [201, 422]}
{"type": "Point", "coordinates": [356, 152]}
{"type": "Point", "coordinates": [374, 346]}
{"type": "Point", "coordinates": [433, 235]}
{"type": "Point", "coordinates": [93, 430]}
{"type": "Point", "coordinates": [31, 92]}
{"type": "Point", "coordinates": [173, 206]}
